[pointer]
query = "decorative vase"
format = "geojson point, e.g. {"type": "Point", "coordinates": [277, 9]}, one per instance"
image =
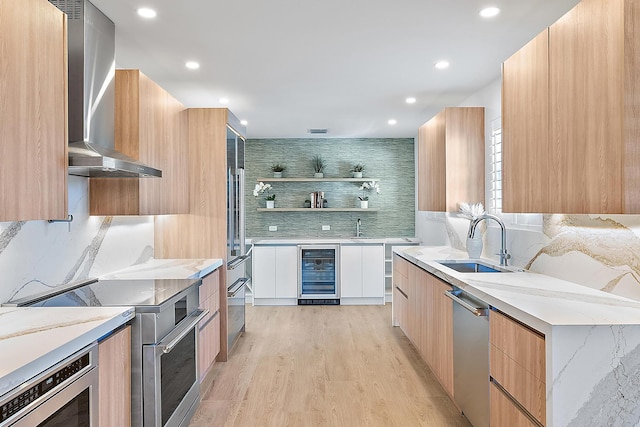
{"type": "Point", "coordinates": [277, 174]}
{"type": "Point", "coordinates": [318, 175]}
{"type": "Point", "coordinates": [364, 204]}
{"type": "Point", "coordinates": [357, 174]}
{"type": "Point", "coordinates": [474, 246]}
{"type": "Point", "coordinates": [271, 204]}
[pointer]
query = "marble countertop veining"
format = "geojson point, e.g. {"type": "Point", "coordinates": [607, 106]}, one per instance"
{"type": "Point", "coordinates": [33, 339]}
{"type": "Point", "coordinates": [167, 269]}
{"type": "Point", "coordinates": [538, 300]}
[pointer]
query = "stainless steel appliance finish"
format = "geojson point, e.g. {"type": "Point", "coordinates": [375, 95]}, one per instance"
{"type": "Point", "coordinates": [318, 267]}
{"type": "Point", "coordinates": [91, 45]}
{"type": "Point", "coordinates": [237, 254]}
{"type": "Point", "coordinates": [471, 356]}
{"type": "Point", "coordinates": [165, 388]}
{"type": "Point", "coordinates": [64, 395]}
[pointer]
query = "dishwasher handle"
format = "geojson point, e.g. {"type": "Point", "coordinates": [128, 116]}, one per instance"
{"type": "Point", "coordinates": [479, 312]}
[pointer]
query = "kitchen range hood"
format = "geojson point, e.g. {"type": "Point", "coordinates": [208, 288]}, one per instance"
{"type": "Point", "coordinates": [92, 96]}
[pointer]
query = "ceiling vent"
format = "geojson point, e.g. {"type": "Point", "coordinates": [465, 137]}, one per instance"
{"type": "Point", "coordinates": [317, 131]}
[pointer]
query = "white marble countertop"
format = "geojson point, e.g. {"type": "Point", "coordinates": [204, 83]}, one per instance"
{"type": "Point", "coordinates": [167, 269]}
{"type": "Point", "coordinates": [535, 299]}
{"type": "Point", "coordinates": [330, 240]}
{"type": "Point", "coordinates": [34, 339]}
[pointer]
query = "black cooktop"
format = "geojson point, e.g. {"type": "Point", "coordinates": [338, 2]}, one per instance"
{"type": "Point", "coordinates": [105, 293]}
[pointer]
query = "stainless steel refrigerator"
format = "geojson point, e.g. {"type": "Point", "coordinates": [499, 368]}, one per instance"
{"type": "Point", "coordinates": [237, 254]}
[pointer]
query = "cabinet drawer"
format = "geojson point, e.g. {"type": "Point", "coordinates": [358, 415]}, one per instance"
{"type": "Point", "coordinates": [400, 266]}
{"type": "Point", "coordinates": [210, 286]}
{"type": "Point", "coordinates": [504, 412]}
{"type": "Point", "coordinates": [517, 357]}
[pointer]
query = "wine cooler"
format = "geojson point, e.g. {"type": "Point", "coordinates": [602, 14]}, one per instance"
{"type": "Point", "coordinates": [318, 275]}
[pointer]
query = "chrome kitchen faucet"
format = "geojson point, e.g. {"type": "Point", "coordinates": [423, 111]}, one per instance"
{"type": "Point", "coordinates": [358, 228]}
{"type": "Point", "coordinates": [504, 256]}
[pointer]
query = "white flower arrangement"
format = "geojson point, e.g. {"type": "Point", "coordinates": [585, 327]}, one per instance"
{"type": "Point", "coordinates": [471, 212]}
{"type": "Point", "coordinates": [369, 186]}
{"type": "Point", "coordinates": [261, 188]}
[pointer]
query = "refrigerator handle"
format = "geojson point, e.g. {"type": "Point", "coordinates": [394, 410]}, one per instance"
{"type": "Point", "coordinates": [241, 215]}
{"type": "Point", "coordinates": [231, 212]}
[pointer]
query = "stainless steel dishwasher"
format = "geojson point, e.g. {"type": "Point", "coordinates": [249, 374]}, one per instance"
{"type": "Point", "coordinates": [471, 356]}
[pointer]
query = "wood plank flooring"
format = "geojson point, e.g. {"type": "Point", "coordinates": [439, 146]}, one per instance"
{"type": "Point", "coordinates": [324, 366]}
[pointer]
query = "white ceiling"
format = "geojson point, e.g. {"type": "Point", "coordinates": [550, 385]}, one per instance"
{"type": "Point", "coordinates": [346, 65]}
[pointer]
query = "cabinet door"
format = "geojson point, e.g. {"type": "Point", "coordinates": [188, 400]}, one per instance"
{"type": "Point", "coordinates": [432, 165]}
{"type": "Point", "coordinates": [114, 355]}
{"type": "Point", "coordinates": [587, 98]}
{"type": "Point", "coordinates": [441, 333]}
{"type": "Point", "coordinates": [351, 271]}
{"type": "Point", "coordinates": [525, 128]}
{"type": "Point", "coordinates": [505, 413]}
{"type": "Point", "coordinates": [286, 271]}
{"type": "Point", "coordinates": [373, 271]}
{"type": "Point", "coordinates": [264, 272]}
{"type": "Point", "coordinates": [33, 111]}
{"type": "Point", "coordinates": [208, 343]}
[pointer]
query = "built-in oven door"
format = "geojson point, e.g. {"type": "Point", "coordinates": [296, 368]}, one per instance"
{"type": "Point", "coordinates": [170, 375]}
{"type": "Point", "coordinates": [69, 404]}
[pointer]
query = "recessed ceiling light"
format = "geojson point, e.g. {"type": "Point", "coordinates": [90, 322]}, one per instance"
{"type": "Point", "coordinates": [392, 121]}
{"type": "Point", "coordinates": [192, 65]}
{"type": "Point", "coordinates": [244, 122]}
{"type": "Point", "coordinates": [145, 12]}
{"type": "Point", "coordinates": [489, 12]}
{"type": "Point", "coordinates": [410, 100]}
{"type": "Point", "coordinates": [441, 65]}
{"type": "Point", "coordinates": [223, 101]}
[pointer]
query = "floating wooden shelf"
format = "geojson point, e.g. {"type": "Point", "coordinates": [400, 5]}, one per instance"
{"type": "Point", "coordinates": [365, 179]}
{"type": "Point", "coordinates": [317, 210]}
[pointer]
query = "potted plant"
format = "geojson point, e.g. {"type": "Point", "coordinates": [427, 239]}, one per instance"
{"type": "Point", "coordinates": [471, 212]}
{"type": "Point", "coordinates": [262, 188]}
{"type": "Point", "coordinates": [367, 186]}
{"type": "Point", "coordinates": [277, 170]}
{"type": "Point", "coordinates": [318, 164]}
{"type": "Point", "coordinates": [356, 170]}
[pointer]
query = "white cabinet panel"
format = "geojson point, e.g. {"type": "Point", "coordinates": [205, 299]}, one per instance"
{"type": "Point", "coordinates": [286, 271]}
{"type": "Point", "coordinates": [362, 271]}
{"type": "Point", "coordinates": [351, 271]}
{"type": "Point", "coordinates": [373, 271]}
{"type": "Point", "coordinates": [264, 272]}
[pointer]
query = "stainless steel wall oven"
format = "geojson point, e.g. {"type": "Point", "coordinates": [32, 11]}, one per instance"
{"type": "Point", "coordinates": [318, 275]}
{"type": "Point", "coordinates": [64, 395]}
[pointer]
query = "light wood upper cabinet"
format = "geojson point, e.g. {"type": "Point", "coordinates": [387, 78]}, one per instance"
{"type": "Point", "coordinates": [33, 111]}
{"type": "Point", "coordinates": [114, 356]}
{"type": "Point", "coordinates": [589, 153]}
{"type": "Point", "coordinates": [526, 143]}
{"type": "Point", "coordinates": [150, 126]}
{"type": "Point", "coordinates": [451, 159]}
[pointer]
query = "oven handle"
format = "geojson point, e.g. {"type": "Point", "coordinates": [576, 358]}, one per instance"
{"type": "Point", "coordinates": [237, 285]}
{"type": "Point", "coordinates": [193, 320]}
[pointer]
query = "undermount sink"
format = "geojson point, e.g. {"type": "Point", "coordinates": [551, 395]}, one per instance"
{"type": "Point", "coordinates": [472, 267]}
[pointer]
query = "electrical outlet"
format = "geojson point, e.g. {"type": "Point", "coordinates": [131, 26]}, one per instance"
{"type": "Point", "coordinates": [326, 227]}
{"type": "Point", "coordinates": [273, 228]}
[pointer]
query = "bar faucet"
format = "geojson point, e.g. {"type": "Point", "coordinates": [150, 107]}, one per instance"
{"type": "Point", "coordinates": [504, 255]}
{"type": "Point", "coordinates": [358, 228]}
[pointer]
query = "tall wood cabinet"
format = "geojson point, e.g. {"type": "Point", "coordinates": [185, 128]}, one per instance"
{"type": "Point", "coordinates": [150, 126]}
{"type": "Point", "coordinates": [571, 111]}
{"type": "Point", "coordinates": [451, 159]}
{"type": "Point", "coordinates": [202, 233]}
{"type": "Point", "coordinates": [33, 111]}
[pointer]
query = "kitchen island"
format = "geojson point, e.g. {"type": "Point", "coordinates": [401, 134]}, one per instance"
{"type": "Point", "coordinates": [591, 339]}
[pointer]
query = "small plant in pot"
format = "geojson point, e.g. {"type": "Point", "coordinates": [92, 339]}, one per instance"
{"type": "Point", "coordinates": [262, 188]}
{"type": "Point", "coordinates": [277, 170]}
{"type": "Point", "coordinates": [356, 170]}
{"type": "Point", "coordinates": [318, 164]}
{"type": "Point", "coordinates": [368, 186]}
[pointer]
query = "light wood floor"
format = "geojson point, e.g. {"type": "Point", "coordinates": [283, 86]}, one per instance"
{"type": "Point", "coordinates": [324, 366]}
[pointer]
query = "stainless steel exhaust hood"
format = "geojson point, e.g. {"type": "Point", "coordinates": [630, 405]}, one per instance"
{"type": "Point", "coordinates": [92, 96]}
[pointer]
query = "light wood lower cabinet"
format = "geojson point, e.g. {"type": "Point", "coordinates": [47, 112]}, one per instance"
{"type": "Point", "coordinates": [114, 389]}
{"type": "Point", "coordinates": [209, 327]}
{"type": "Point", "coordinates": [505, 413]}
{"type": "Point", "coordinates": [425, 315]}
{"type": "Point", "coordinates": [517, 358]}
